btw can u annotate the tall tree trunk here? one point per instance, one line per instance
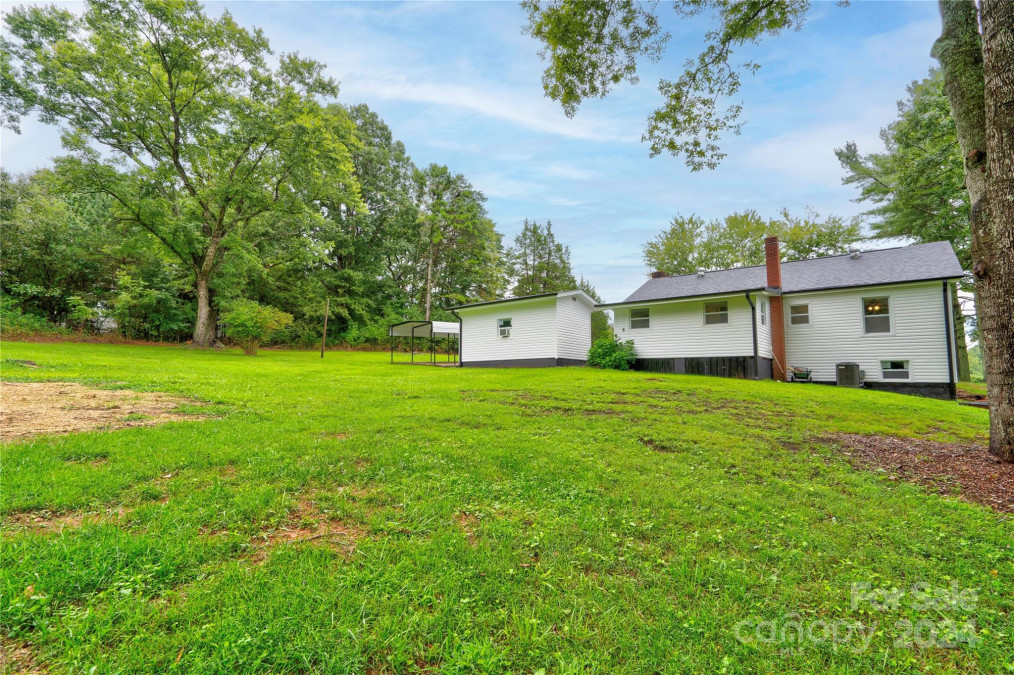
(994, 270)
(959, 50)
(964, 375)
(204, 327)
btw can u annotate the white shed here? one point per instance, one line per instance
(535, 331)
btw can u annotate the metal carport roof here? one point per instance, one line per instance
(425, 329)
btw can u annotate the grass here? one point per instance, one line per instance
(973, 388)
(346, 515)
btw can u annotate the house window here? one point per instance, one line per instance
(640, 318)
(503, 327)
(716, 312)
(799, 315)
(764, 312)
(876, 315)
(894, 370)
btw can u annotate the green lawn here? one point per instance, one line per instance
(559, 520)
(972, 387)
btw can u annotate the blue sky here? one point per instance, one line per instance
(460, 84)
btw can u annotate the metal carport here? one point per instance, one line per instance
(430, 331)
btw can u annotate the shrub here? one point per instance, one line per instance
(80, 314)
(150, 312)
(249, 323)
(610, 352)
(16, 324)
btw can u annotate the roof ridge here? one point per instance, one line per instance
(803, 260)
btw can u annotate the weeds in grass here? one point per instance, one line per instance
(484, 521)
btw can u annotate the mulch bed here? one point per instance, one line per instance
(967, 471)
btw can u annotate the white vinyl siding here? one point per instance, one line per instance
(677, 330)
(533, 331)
(836, 332)
(573, 326)
(763, 329)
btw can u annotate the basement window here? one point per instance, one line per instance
(503, 327)
(894, 370)
(640, 318)
(876, 315)
(799, 315)
(716, 312)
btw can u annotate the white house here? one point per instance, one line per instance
(881, 317)
(552, 329)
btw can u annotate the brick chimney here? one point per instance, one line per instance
(658, 275)
(773, 265)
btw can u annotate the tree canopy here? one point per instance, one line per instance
(181, 120)
(538, 263)
(917, 186)
(690, 242)
(591, 46)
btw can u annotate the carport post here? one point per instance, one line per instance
(413, 343)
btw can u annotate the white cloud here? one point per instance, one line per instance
(564, 201)
(569, 171)
(807, 154)
(516, 107)
(497, 185)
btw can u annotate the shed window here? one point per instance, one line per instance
(640, 318)
(799, 315)
(876, 315)
(764, 312)
(503, 327)
(716, 312)
(894, 370)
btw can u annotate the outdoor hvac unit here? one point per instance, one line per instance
(505, 332)
(848, 375)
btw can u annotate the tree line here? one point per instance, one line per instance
(202, 172)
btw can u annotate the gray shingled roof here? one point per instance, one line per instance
(919, 262)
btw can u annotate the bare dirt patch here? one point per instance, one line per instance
(17, 657)
(305, 523)
(467, 523)
(968, 471)
(657, 446)
(43, 521)
(33, 408)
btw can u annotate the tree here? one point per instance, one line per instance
(250, 323)
(203, 140)
(358, 255)
(600, 326)
(691, 243)
(457, 247)
(917, 185)
(593, 45)
(993, 213)
(55, 246)
(539, 263)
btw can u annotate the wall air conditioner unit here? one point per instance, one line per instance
(848, 375)
(505, 332)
